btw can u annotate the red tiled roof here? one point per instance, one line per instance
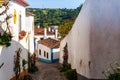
(40, 31)
(22, 2)
(29, 14)
(51, 43)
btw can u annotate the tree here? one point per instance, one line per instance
(80, 7)
(47, 17)
(65, 27)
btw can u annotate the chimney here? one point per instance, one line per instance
(45, 33)
(53, 30)
(38, 26)
(49, 29)
(56, 34)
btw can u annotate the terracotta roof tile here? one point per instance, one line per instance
(40, 31)
(51, 43)
(29, 14)
(22, 2)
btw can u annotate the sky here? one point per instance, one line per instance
(70, 4)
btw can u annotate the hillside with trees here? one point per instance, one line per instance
(64, 18)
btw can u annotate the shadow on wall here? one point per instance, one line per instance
(7, 57)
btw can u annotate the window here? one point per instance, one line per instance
(47, 55)
(41, 38)
(39, 51)
(44, 54)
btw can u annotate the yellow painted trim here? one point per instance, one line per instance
(15, 16)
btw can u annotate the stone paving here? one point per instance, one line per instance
(48, 72)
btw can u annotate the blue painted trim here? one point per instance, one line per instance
(52, 54)
(56, 60)
(45, 60)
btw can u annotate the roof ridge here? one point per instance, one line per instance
(50, 42)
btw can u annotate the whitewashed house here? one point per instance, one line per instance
(30, 30)
(94, 40)
(48, 50)
(44, 33)
(20, 35)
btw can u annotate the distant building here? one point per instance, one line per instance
(44, 33)
(48, 50)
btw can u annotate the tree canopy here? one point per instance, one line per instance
(47, 17)
(64, 18)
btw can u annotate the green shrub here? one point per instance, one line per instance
(5, 39)
(27, 77)
(115, 76)
(65, 67)
(33, 69)
(113, 72)
(71, 74)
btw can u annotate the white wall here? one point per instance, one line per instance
(93, 42)
(62, 44)
(30, 29)
(42, 36)
(46, 49)
(30, 23)
(7, 57)
(56, 53)
(19, 10)
(7, 53)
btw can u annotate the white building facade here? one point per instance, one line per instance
(48, 50)
(44, 33)
(30, 30)
(93, 42)
(18, 24)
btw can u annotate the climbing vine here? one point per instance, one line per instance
(17, 63)
(65, 55)
(5, 35)
(1, 65)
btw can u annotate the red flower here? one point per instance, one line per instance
(22, 34)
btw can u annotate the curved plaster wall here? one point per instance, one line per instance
(94, 40)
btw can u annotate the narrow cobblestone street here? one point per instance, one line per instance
(48, 72)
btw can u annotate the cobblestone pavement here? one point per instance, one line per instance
(48, 72)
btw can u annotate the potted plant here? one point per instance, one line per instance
(5, 39)
(22, 34)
